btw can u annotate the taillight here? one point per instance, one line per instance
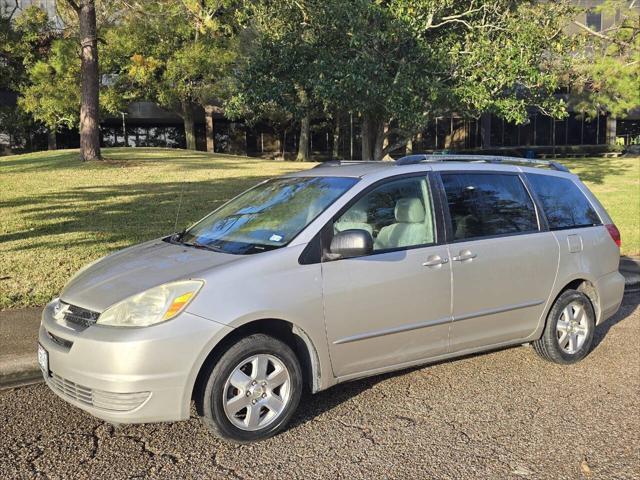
(615, 233)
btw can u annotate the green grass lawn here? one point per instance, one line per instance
(57, 214)
(616, 183)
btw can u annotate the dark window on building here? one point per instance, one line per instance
(574, 129)
(510, 134)
(486, 205)
(629, 130)
(497, 131)
(564, 204)
(594, 20)
(543, 130)
(443, 126)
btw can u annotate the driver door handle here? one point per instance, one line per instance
(434, 261)
(464, 255)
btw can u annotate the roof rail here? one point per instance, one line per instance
(427, 158)
(340, 163)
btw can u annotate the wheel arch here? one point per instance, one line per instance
(291, 334)
(582, 285)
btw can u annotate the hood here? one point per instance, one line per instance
(136, 269)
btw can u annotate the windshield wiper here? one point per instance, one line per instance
(202, 246)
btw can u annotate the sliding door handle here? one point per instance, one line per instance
(464, 255)
(434, 261)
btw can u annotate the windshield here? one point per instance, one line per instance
(268, 216)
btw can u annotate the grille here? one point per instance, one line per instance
(119, 402)
(78, 316)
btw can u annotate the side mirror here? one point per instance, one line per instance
(351, 243)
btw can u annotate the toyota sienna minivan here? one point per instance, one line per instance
(342, 271)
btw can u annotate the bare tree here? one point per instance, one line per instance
(89, 102)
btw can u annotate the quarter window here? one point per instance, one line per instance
(563, 203)
(486, 205)
(397, 214)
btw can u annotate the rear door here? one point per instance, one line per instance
(504, 262)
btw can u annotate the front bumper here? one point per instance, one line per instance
(128, 375)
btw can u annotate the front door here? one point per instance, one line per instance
(504, 265)
(393, 306)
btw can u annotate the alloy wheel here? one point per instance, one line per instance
(256, 392)
(572, 328)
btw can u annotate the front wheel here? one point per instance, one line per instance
(253, 390)
(568, 334)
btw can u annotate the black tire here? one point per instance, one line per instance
(214, 392)
(548, 346)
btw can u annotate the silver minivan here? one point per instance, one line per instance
(342, 271)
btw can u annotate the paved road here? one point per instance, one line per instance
(506, 414)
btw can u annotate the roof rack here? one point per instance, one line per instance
(426, 158)
(340, 163)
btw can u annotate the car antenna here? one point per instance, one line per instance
(175, 225)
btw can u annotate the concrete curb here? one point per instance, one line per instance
(18, 347)
(19, 333)
(630, 269)
(18, 370)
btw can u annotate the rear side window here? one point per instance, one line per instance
(564, 204)
(487, 205)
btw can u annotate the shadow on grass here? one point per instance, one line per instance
(125, 158)
(119, 213)
(595, 170)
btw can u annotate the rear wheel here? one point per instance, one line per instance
(568, 334)
(253, 390)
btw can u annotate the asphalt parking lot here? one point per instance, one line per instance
(506, 414)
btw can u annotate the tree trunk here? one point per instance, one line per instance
(278, 144)
(366, 135)
(210, 122)
(372, 137)
(335, 148)
(611, 129)
(485, 130)
(303, 144)
(52, 144)
(189, 128)
(379, 143)
(89, 106)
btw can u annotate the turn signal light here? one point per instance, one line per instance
(177, 305)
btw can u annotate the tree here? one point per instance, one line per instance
(605, 75)
(178, 54)
(25, 39)
(89, 79)
(276, 78)
(52, 95)
(400, 63)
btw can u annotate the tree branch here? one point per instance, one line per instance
(458, 18)
(15, 9)
(392, 147)
(73, 5)
(601, 35)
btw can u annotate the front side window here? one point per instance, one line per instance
(487, 205)
(397, 214)
(563, 203)
(268, 216)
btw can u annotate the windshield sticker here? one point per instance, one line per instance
(275, 237)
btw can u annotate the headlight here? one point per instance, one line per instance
(151, 306)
